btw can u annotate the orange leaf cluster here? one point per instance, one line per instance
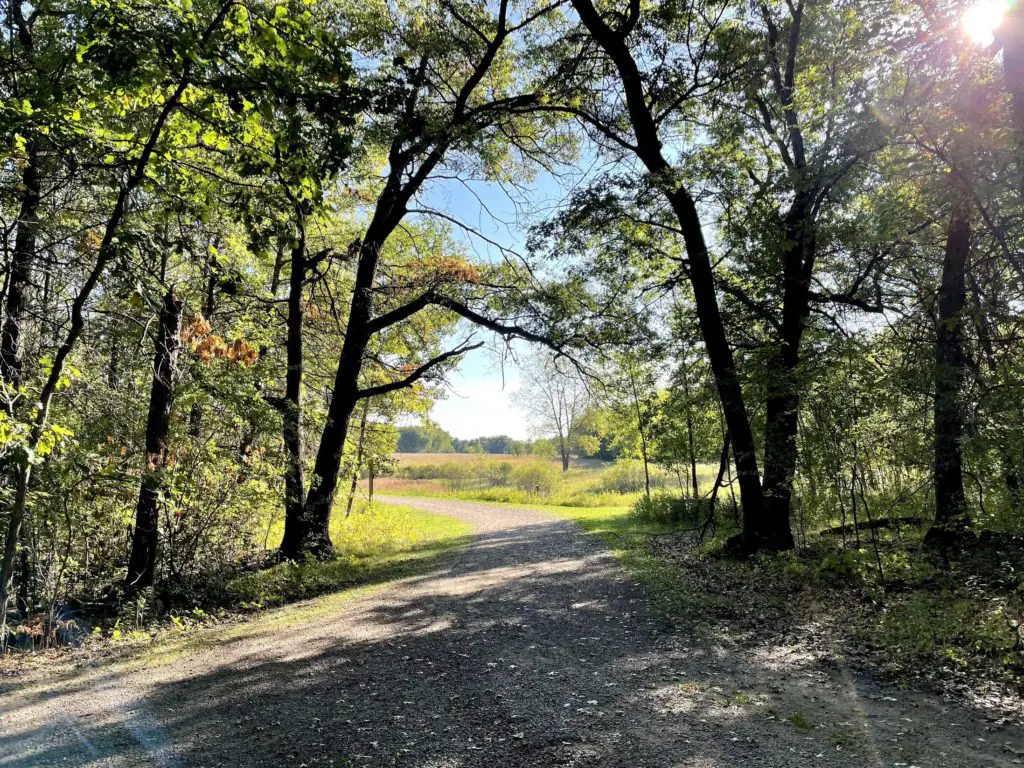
(445, 269)
(209, 346)
(195, 331)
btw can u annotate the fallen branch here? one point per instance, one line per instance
(895, 522)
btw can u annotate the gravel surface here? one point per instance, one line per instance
(528, 648)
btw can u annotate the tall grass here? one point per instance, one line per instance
(529, 480)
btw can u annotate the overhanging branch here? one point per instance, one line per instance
(419, 373)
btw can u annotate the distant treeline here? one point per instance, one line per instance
(431, 438)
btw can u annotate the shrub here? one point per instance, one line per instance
(536, 479)
(664, 508)
(627, 476)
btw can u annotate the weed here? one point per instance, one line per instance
(798, 720)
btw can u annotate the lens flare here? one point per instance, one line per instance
(981, 20)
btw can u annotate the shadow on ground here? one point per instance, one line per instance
(530, 648)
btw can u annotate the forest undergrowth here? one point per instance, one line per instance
(375, 545)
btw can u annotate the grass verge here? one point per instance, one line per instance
(375, 543)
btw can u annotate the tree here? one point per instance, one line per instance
(629, 390)
(555, 401)
(198, 35)
(646, 109)
(444, 109)
(427, 438)
(142, 560)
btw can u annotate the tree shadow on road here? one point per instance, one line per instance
(531, 648)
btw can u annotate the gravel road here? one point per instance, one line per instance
(530, 647)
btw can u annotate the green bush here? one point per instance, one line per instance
(664, 508)
(538, 479)
(627, 476)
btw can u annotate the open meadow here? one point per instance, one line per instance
(532, 479)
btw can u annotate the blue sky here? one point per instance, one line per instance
(479, 401)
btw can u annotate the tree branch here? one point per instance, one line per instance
(418, 374)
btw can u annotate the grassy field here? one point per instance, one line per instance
(529, 480)
(419, 459)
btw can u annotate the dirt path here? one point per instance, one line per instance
(529, 648)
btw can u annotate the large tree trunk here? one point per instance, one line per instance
(951, 517)
(391, 206)
(316, 538)
(21, 272)
(142, 561)
(295, 523)
(782, 405)
(758, 531)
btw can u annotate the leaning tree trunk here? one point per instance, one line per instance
(757, 531)
(142, 561)
(951, 517)
(316, 537)
(295, 522)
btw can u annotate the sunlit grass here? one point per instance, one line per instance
(530, 480)
(377, 542)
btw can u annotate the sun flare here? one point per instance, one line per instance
(982, 18)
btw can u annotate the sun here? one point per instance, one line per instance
(982, 18)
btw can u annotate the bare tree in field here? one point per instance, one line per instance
(554, 401)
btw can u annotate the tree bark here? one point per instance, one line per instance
(21, 272)
(295, 522)
(782, 406)
(951, 516)
(142, 561)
